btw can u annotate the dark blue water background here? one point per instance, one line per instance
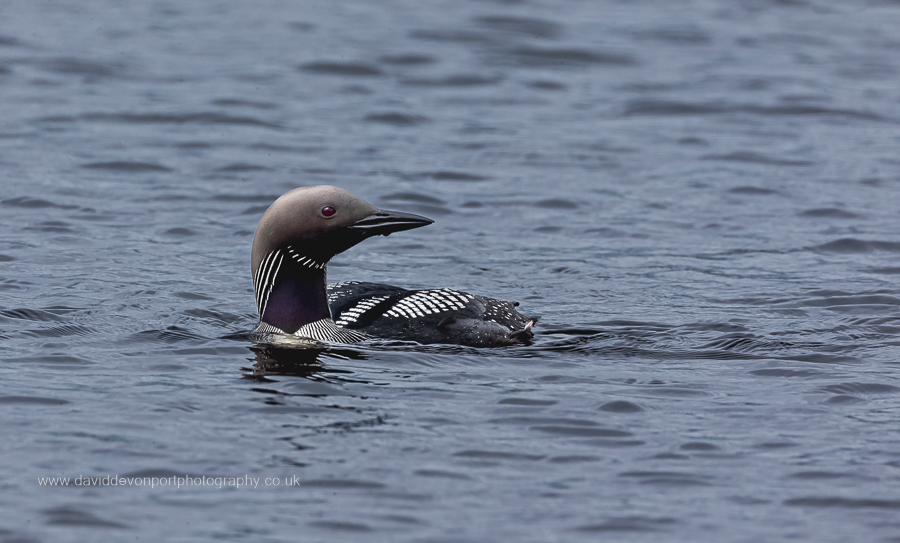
(700, 200)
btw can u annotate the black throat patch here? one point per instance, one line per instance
(290, 290)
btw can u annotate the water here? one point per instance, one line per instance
(700, 201)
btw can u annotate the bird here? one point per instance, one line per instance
(300, 233)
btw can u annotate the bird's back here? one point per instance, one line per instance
(427, 316)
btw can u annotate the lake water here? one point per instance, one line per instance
(700, 200)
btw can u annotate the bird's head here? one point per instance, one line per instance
(321, 221)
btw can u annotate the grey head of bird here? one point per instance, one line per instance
(321, 221)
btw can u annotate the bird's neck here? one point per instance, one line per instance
(297, 299)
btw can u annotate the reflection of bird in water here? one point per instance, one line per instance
(301, 361)
(303, 229)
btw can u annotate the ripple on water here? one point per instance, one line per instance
(172, 334)
(407, 59)
(838, 502)
(861, 388)
(677, 35)
(698, 446)
(531, 402)
(864, 302)
(340, 526)
(675, 392)
(621, 406)
(445, 175)
(532, 27)
(560, 57)
(853, 245)
(238, 102)
(200, 118)
(825, 475)
(248, 198)
(81, 67)
(215, 317)
(824, 358)
(785, 372)
(241, 167)
(666, 478)
(344, 484)
(63, 331)
(124, 166)
(542, 420)
(756, 158)
(884, 271)
(58, 227)
(458, 80)
(829, 213)
(753, 191)
(497, 455)
(396, 119)
(442, 474)
(413, 197)
(630, 524)
(572, 459)
(556, 203)
(77, 517)
(30, 400)
(580, 431)
(545, 84)
(657, 107)
(192, 296)
(444, 35)
(350, 69)
(55, 360)
(844, 399)
(179, 232)
(33, 203)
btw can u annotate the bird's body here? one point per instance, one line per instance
(427, 316)
(299, 234)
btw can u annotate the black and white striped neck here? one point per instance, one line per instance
(321, 330)
(290, 290)
(270, 271)
(302, 260)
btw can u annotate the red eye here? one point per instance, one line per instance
(328, 211)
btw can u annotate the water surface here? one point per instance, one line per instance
(700, 201)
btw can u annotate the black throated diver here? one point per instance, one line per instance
(303, 229)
